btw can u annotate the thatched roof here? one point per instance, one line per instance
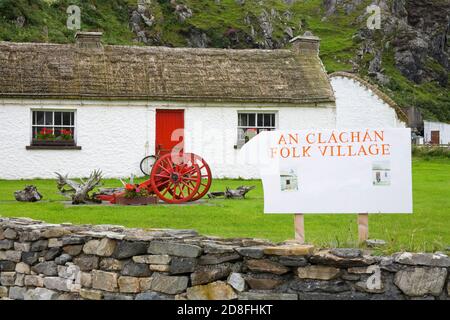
(159, 73)
(384, 97)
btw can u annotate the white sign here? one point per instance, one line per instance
(333, 171)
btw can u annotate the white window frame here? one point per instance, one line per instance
(257, 113)
(73, 127)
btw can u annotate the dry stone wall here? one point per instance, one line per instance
(40, 261)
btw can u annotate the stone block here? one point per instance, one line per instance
(52, 253)
(237, 281)
(7, 278)
(265, 265)
(262, 283)
(174, 249)
(218, 258)
(56, 232)
(10, 234)
(116, 296)
(111, 264)
(153, 259)
(106, 281)
(55, 243)
(73, 240)
(6, 244)
(218, 248)
(128, 249)
(326, 257)
(30, 258)
(179, 265)
(159, 267)
(86, 263)
(169, 284)
(104, 247)
(48, 268)
(73, 250)
(19, 280)
(213, 291)
(3, 292)
(22, 246)
(318, 272)
(267, 296)
(423, 259)
(149, 295)
(33, 281)
(136, 269)
(89, 294)
(63, 259)
(41, 294)
(251, 252)
(71, 272)
(210, 273)
(86, 280)
(308, 285)
(12, 255)
(290, 250)
(145, 283)
(57, 283)
(17, 293)
(421, 281)
(39, 245)
(128, 284)
(293, 261)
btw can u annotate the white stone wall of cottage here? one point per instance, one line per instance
(359, 107)
(114, 136)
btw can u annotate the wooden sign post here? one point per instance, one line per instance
(299, 225)
(363, 227)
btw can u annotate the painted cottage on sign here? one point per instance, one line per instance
(73, 108)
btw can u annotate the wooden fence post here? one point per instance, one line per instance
(299, 225)
(363, 227)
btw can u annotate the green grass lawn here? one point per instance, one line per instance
(427, 229)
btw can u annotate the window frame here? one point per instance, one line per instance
(257, 113)
(54, 144)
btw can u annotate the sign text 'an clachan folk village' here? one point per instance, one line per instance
(334, 170)
(332, 144)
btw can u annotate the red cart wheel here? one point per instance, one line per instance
(206, 176)
(175, 180)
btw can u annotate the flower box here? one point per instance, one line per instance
(62, 143)
(137, 201)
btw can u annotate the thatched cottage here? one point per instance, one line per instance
(72, 108)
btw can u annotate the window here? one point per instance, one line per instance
(250, 124)
(53, 128)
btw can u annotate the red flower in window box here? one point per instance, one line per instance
(45, 134)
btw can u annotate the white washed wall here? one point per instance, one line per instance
(357, 106)
(112, 137)
(212, 133)
(115, 136)
(443, 128)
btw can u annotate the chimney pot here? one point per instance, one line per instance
(89, 39)
(307, 42)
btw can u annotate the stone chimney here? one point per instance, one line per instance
(306, 42)
(91, 40)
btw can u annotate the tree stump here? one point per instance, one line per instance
(29, 194)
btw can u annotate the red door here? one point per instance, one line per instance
(169, 130)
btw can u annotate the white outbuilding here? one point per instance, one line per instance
(436, 132)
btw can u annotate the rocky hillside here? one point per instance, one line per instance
(408, 57)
